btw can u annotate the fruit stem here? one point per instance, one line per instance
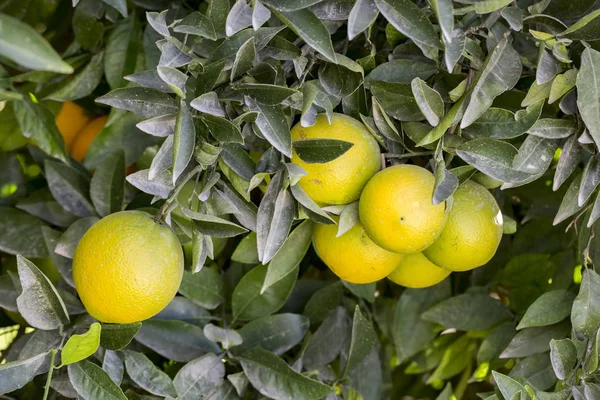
(50, 371)
(159, 215)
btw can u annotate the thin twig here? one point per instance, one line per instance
(173, 196)
(49, 378)
(408, 155)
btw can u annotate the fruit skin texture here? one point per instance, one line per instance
(86, 136)
(396, 209)
(127, 267)
(339, 181)
(472, 233)
(416, 271)
(353, 256)
(70, 121)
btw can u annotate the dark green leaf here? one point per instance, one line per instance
(141, 101)
(83, 83)
(227, 337)
(118, 336)
(569, 204)
(429, 101)
(587, 28)
(563, 355)
(272, 123)
(500, 72)
(363, 14)
(107, 187)
(567, 163)
(248, 302)
(223, 130)
(588, 91)
(508, 386)
(320, 151)
(246, 251)
(21, 233)
(499, 123)
(275, 333)
(70, 188)
(39, 302)
(22, 44)
(91, 382)
(272, 377)
(14, 375)
(144, 373)
(469, 311)
(329, 340)
(204, 287)
(397, 100)
(405, 16)
(197, 24)
(200, 378)
(585, 316)
(548, 309)
(536, 340)
(400, 71)
(214, 226)
(363, 340)
(183, 141)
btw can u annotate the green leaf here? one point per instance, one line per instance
(363, 340)
(183, 141)
(310, 29)
(329, 340)
(591, 363)
(16, 374)
(429, 101)
(400, 71)
(320, 151)
(70, 187)
(587, 28)
(536, 340)
(499, 123)
(80, 347)
(274, 218)
(39, 303)
(455, 359)
(227, 337)
(567, 163)
(562, 84)
(563, 355)
(500, 72)
(175, 79)
(445, 184)
(323, 302)
(362, 15)
(585, 316)
(91, 382)
(589, 180)
(588, 91)
(214, 226)
(270, 95)
(107, 187)
(494, 158)
(535, 155)
(496, 341)
(140, 101)
(445, 124)
(488, 6)
(246, 251)
(223, 130)
(468, 312)
(196, 24)
(37, 124)
(244, 59)
(175, 340)
(507, 385)
(205, 287)
(348, 218)
(22, 44)
(405, 16)
(289, 256)
(118, 336)
(21, 233)
(275, 333)
(272, 123)
(411, 333)
(397, 100)
(121, 51)
(199, 378)
(569, 204)
(445, 15)
(249, 303)
(145, 374)
(84, 83)
(548, 309)
(551, 128)
(363, 290)
(274, 378)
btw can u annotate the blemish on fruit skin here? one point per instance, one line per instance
(315, 181)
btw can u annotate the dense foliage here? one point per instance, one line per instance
(206, 92)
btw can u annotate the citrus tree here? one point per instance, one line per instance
(205, 199)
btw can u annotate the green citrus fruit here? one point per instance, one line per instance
(397, 212)
(339, 181)
(472, 233)
(353, 256)
(127, 267)
(416, 271)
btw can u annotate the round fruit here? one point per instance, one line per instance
(472, 233)
(339, 181)
(416, 271)
(70, 121)
(353, 256)
(86, 136)
(127, 267)
(397, 211)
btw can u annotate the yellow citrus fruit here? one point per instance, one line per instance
(416, 271)
(70, 121)
(339, 181)
(127, 267)
(353, 256)
(86, 136)
(397, 212)
(472, 233)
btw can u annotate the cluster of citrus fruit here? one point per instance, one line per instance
(78, 129)
(401, 234)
